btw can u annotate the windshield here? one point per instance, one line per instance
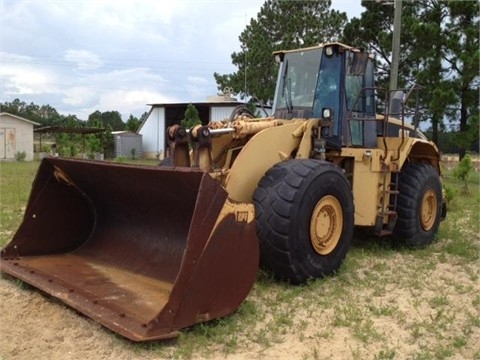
(297, 80)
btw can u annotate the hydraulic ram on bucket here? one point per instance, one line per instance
(145, 251)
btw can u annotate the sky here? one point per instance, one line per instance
(80, 56)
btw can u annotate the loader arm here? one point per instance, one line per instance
(239, 153)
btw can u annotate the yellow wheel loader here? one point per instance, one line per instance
(147, 251)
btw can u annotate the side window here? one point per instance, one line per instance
(353, 87)
(355, 81)
(327, 92)
(370, 94)
(360, 98)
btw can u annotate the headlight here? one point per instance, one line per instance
(326, 113)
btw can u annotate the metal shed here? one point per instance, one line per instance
(16, 136)
(128, 144)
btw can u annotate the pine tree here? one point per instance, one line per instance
(191, 118)
(280, 25)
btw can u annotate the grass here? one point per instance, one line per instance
(15, 184)
(384, 302)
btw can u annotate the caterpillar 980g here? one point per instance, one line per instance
(147, 251)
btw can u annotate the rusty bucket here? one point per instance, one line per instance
(145, 251)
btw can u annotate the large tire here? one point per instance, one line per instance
(419, 205)
(304, 214)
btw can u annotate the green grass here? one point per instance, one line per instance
(379, 289)
(15, 185)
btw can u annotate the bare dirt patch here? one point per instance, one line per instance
(395, 308)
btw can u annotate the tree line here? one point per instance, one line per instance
(439, 51)
(70, 144)
(47, 115)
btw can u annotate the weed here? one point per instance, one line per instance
(416, 331)
(382, 310)
(438, 301)
(443, 352)
(459, 342)
(473, 320)
(385, 354)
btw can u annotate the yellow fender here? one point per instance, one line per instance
(262, 151)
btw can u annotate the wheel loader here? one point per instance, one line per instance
(149, 250)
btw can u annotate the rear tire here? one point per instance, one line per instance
(419, 205)
(304, 214)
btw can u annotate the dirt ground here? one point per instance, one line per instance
(34, 326)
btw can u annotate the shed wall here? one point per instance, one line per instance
(153, 134)
(124, 143)
(221, 112)
(15, 136)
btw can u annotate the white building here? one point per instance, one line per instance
(16, 136)
(161, 116)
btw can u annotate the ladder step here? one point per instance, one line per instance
(387, 211)
(384, 232)
(393, 192)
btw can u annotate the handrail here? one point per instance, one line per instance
(387, 100)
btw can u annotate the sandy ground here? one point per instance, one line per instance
(438, 317)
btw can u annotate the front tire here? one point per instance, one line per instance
(419, 205)
(304, 214)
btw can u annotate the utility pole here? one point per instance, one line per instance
(397, 27)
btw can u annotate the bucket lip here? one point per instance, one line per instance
(100, 163)
(79, 301)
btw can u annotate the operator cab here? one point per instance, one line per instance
(329, 82)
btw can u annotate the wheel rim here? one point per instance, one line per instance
(326, 225)
(428, 210)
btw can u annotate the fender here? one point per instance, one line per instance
(262, 151)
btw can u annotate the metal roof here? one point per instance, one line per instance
(319, 46)
(197, 104)
(68, 130)
(18, 118)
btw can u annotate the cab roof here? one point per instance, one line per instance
(319, 46)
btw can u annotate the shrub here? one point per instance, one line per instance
(120, 159)
(450, 194)
(46, 148)
(20, 156)
(462, 172)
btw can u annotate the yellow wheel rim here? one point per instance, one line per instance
(428, 210)
(326, 225)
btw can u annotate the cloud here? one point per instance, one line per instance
(198, 88)
(91, 54)
(133, 101)
(83, 59)
(83, 56)
(127, 91)
(21, 75)
(79, 96)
